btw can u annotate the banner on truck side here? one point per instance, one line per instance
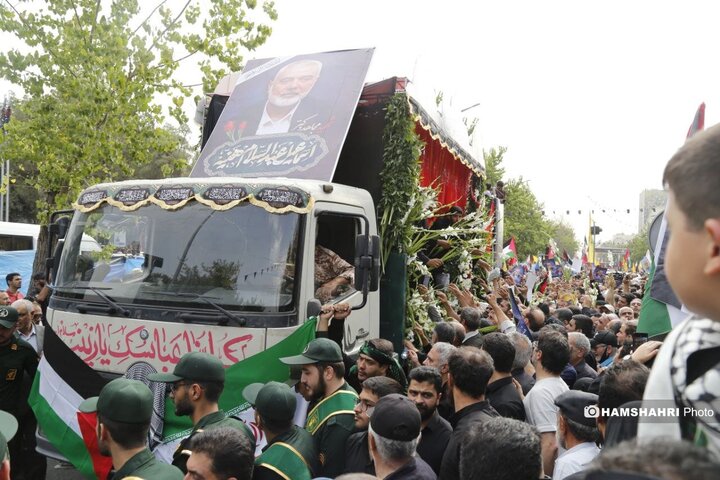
(287, 117)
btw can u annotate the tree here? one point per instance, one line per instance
(94, 72)
(523, 213)
(524, 219)
(639, 245)
(493, 164)
(25, 198)
(564, 237)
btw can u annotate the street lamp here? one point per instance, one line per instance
(594, 230)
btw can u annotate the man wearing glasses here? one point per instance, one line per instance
(195, 387)
(357, 454)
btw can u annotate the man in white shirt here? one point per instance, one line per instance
(291, 85)
(551, 355)
(577, 432)
(26, 329)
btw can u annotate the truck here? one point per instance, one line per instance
(227, 265)
(223, 265)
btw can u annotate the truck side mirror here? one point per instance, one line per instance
(362, 249)
(313, 308)
(59, 227)
(367, 262)
(54, 261)
(375, 268)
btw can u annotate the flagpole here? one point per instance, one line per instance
(499, 231)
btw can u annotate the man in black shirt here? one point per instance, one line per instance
(501, 392)
(470, 370)
(394, 435)
(357, 455)
(425, 390)
(437, 358)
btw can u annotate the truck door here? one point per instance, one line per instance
(333, 252)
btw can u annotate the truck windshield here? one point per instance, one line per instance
(242, 259)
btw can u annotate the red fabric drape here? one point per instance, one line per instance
(440, 168)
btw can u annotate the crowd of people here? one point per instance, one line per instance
(504, 388)
(21, 343)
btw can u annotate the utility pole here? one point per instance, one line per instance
(5, 165)
(594, 231)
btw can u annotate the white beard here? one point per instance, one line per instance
(279, 101)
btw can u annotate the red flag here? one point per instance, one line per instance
(698, 122)
(101, 464)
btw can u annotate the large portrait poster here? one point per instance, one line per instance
(287, 116)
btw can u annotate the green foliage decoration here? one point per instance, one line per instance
(400, 176)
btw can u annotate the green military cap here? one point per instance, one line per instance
(197, 366)
(122, 400)
(319, 350)
(295, 375)
(8, 316)
(8, 428)
(273, 400)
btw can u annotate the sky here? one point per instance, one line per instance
(590, 98)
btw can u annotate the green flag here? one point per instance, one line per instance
(262, 367)
(654, 317)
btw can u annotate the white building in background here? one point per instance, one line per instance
(652, 202)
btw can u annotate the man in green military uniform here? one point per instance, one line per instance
(124, 408)
(17, 358)
(331, 418)
(290, 453)
(197, 382)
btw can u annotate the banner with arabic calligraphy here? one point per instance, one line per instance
(262, 367)
(273, 198)
(287, 116)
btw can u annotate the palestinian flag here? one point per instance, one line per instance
(661, 309)
(62, 382)
(510, 252)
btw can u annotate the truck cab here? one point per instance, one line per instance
(151, 270)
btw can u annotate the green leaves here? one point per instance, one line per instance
(564, 236)
(493, 164)
(524, 219)
(100, 79)
(400, 176)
